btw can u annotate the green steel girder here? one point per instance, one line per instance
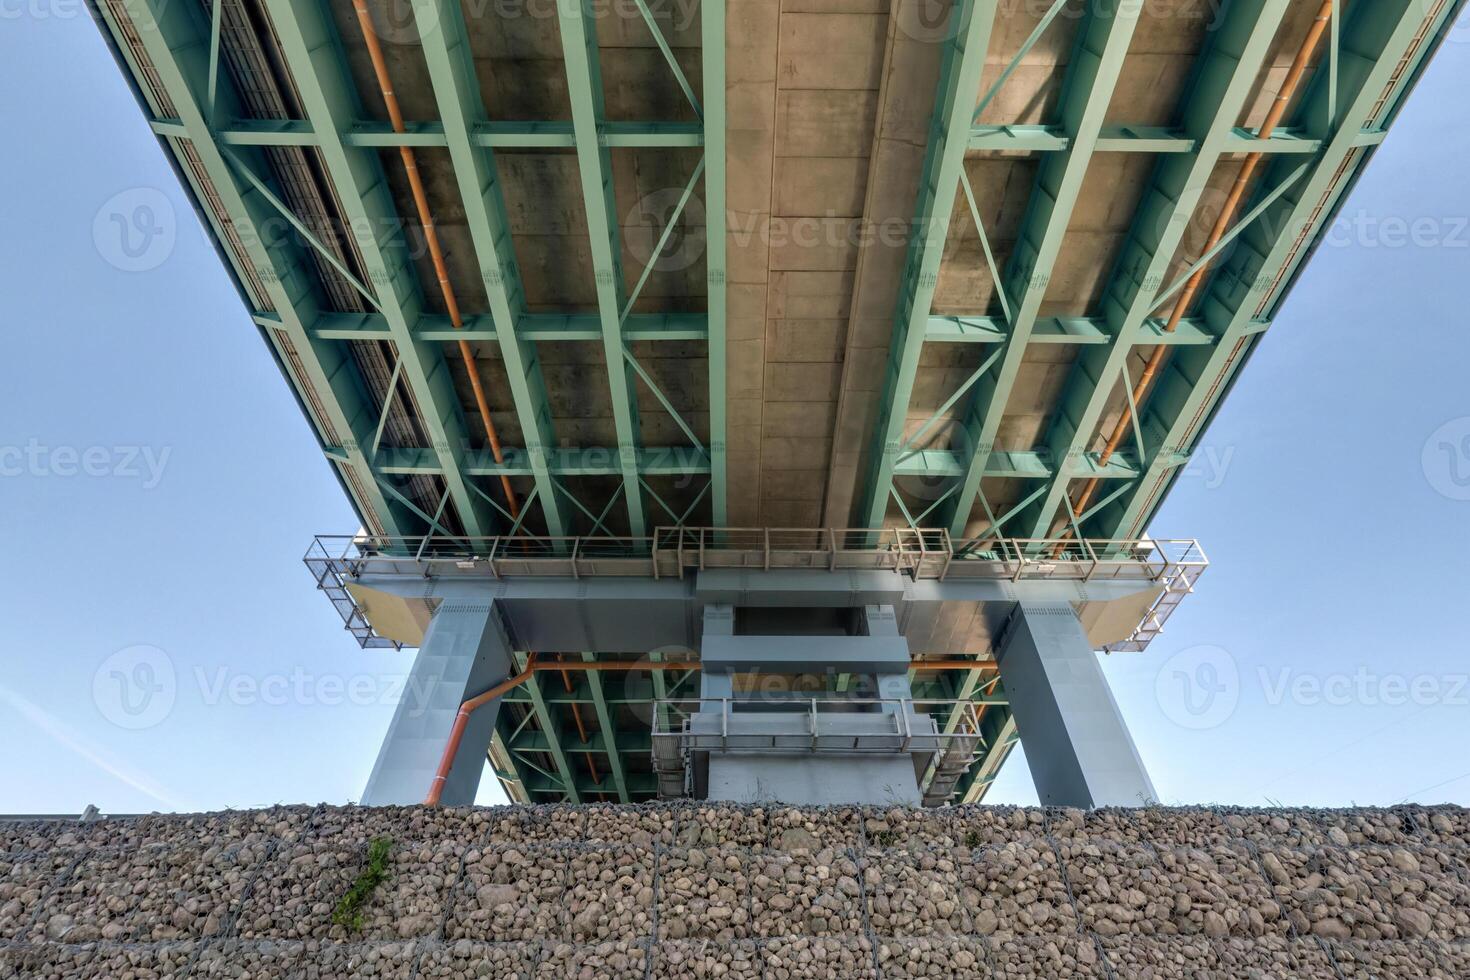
(1033, 465)
(944, 161)
(594, 165)
(648, 461)
(1375, 40)
(529, 327)
(626, 742)
(329, 98)
(641, 784)
(1124, 138)
(1225, 78)
(712, 55)
(493, 135)
(610, 736)
(451, 73)
(1057, 330)
(1000, 739)
(551, 729)
(329, 384)
(1091, 77)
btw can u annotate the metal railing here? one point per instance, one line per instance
(923, 553)
(822, 731)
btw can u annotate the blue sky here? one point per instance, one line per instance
(158, 487)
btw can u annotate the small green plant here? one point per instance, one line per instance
(348, 912)
(973, 839)
(885, 838)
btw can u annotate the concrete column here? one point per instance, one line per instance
(465, 652)
(1077, 745)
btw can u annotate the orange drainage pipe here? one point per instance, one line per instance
(1222, 222)
(456, 734)
(431, 238)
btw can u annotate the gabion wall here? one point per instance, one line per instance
(714, 891)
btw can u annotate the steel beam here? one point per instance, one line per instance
(1001, 738)
(529, 327)
(712, 54)
(325, 375)
(944, 161)
(584, 88)
(1376, 41)
(501, 134)
(550, 728)
(649, 461)
(1071, 330)
(329, 98)
(465, 652)
(446, 50)
(1124, 138)
(1077, 745)
(1018, 465)
(611, 737)
(1091, 78)
(1226, 77)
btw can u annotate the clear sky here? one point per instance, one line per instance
(158, 486)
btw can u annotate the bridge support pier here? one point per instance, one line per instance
(770, 742)
(465, 651)
(1077, 745)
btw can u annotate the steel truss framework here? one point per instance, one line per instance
(1345, 112)
(1374, 55)
(172, 54)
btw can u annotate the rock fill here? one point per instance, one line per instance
(760, 892)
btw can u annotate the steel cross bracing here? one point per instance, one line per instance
(200, 117)
(171, 50)
(1227, 73)
(1343, 116)
(1087, 91)
(328, 94)
(1381, 48)
(446, 52)
(944, 162)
